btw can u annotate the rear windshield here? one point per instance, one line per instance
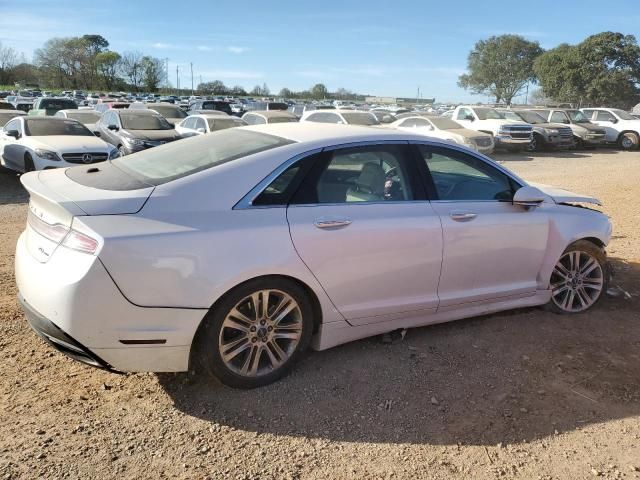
(170, 112)
(144, 122)
(222, 123)
(45, 127)
(57, 104)
(179, 159)
(360, 118)
(282, 119)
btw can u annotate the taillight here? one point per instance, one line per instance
(59, 233)
(80, 242)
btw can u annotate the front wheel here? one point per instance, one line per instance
(579, 278)
(29, 166)
(257, 333)
(628, 141)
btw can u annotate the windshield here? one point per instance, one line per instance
(508, 114)
(622, 114)
(360, 118)
(84, 117)
(170, 112)
(57, 104)
(144, 122)
(177, 159)
(282, 119)
(531, 117)
(222, 123)
(487, 114)
(577, 116)
(45, 127)
(445, 123)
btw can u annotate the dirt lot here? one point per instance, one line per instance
(524, 394)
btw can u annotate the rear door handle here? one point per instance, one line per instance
(462, 216)
(328, 223)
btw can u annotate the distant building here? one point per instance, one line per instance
(394, 100)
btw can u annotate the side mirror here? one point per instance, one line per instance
(200, 130)
(113, 127)
(528, 197)
(96, 133)
(614, 120)
(470, 118)
(13, 133)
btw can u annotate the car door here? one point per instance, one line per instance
(607, 121)
(362, 225)
(12, 150)
(492, 248)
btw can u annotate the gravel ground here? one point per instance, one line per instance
(524, 394)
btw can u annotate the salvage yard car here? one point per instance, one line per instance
(448, 130)
(88, 117)
(40, 143)
(545, 135)
(233, 252)
(202, 123)
(48, 106)
(261, 117)
(135, 130)
(344, 117)
(621, 128)
(513, 135)
(585, 133)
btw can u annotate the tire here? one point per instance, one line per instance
(28, 163)
(122, 150)
(628, 141)
(578, 144)
(237, 342)
(536, 144)
(579, 279)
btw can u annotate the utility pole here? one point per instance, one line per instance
(166, 82)
(177, 79)
(191, 77)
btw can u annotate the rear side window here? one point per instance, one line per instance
(559, 117)
(280, 191)
(176, 160)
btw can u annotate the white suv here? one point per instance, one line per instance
(510, 134)
(621, 127)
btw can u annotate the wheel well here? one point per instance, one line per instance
(315, 305)
(596, 241)
(628, 131)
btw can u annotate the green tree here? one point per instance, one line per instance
(500, 67)
(153, 72)
(238, 91)
(319, 91)
(108, 65)
(131, 68)
(285, 93)
(604, 69)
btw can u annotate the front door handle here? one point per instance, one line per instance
(327, 223)
(462, 216)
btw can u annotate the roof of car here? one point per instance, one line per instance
(210, 113)
(272, 113)
(134, 111)
(331, 133)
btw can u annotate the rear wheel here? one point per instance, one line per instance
(122, 151)
(536, 144)
(628, 141)
(28, 163)
(579, 278)
(257, 333)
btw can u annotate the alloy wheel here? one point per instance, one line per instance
(577, 281)
(260, 333)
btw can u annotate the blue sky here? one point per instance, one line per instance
(385, 48)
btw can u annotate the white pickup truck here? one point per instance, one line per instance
(509, 134)
(620, 127)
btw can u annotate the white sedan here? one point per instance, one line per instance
(39, 143)
(203, 123)
(232, 252)
(448, 130)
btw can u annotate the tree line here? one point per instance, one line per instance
(318, 91)
(603, 69)
(84, 62)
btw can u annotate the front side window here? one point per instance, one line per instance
(361, 174)
(13, 125)
(200, 124)
(461, 177)
(559, 117)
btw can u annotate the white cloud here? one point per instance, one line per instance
(162, 46)
(234, 49)
(204, 48)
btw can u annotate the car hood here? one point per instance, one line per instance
(499, 122)
(550, 125)
(166, 135)
(66, 143)
(560, 195)
(465, 132)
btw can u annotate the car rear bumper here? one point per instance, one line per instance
(58, 339)
(72, 302)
